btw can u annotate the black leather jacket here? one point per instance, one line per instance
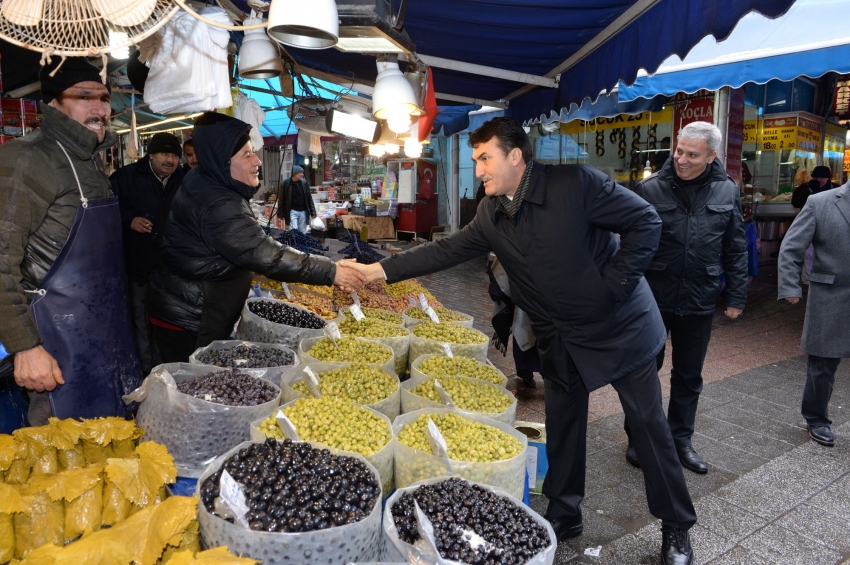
(697, 245)
(213, 242)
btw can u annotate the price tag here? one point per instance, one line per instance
(423, 302)
(332, 332)
(312, 382)
(432, 315)
(240, 362)
(412, 301)
(355, 298)
(208, 397)
(286, 426)
(232, 494)
(285, 288)
(357, 312)
(445, 397)
(437, 441)
(447, 349)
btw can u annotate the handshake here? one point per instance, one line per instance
(351, 276)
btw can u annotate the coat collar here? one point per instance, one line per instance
(536, 189)
(75, 138)
(842, 200)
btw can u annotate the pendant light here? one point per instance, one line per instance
(647, 170)
(393, 98)
(258, 56)
(309, 24)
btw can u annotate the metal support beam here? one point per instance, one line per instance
(483, 70)
(721, 119)
(455, 183)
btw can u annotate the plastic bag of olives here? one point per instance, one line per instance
(195, 431)
(412, 465)
(399, 344)
(463, 366)
(378, 313)
(398, 550)
(475, 392)
(421, 345)
(379, 354)
(258, 329)
(278, 359)
(337, 545)
(415, 315)
(389, 405)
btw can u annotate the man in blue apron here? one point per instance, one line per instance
(63, 298)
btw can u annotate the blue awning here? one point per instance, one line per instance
(606, 106)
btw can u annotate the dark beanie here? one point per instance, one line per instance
(241, 143)
(165, 143)
(73, 71)
(821, 172)
(297, 169)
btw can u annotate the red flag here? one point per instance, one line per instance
(426, 120)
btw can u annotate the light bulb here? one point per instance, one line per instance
(376, 150)
(647, 170)
(117, 38)
(412, 148)
(398, 118)
(391, 148)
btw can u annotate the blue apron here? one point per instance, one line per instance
(82, 311)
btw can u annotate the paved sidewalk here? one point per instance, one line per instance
(771, 496)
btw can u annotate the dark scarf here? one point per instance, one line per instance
(511, 206)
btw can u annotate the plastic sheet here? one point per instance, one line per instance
(389, 406)
(194, 431)
(307, 359)
(400, 346)
(422, 346)
(256, 329)
(416, 372)
(273, 374)
(338, 545)
(412, 465)
(385, 315)
(396, 549)
(411, 402)
(410, 321)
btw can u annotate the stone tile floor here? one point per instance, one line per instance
(770, 497)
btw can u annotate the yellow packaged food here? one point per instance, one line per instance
(8, 450)
(140, 478)
(99, 435)
(82, 491)
(39, 453)
(18, 472)
(216, 556)
(11, 503)
(45, 522)
(190, 542)
(66, 440)
(116, 507)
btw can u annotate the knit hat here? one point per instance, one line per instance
(821, 172)
(241, 143)
(165, 143)
(297, 169)
(73, 71)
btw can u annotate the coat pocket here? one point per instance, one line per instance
(663, 206)
(714, 270)
(823, 278)
(718, 217)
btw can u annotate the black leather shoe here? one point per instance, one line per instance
(527, 378)
(631, 456)
(821, 434)
(565, 531)
(676, 547)
(691, 461)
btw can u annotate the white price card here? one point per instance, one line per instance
(312, 382)
(412, 301)
(444, 395)
(231, 492)
(285, 288)
(432, 315)
(332, 332)
(355, 298)
(423, 302)
(447, 349)
(286, 426)
(357, 312)
(437, 441)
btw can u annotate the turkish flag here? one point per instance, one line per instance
(426, 120)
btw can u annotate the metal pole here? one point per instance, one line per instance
(721, 119)
(455, 202)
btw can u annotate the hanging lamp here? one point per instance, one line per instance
(258, 56)
(308, 24)
(393, 98)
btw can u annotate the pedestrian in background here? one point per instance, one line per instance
(295, 203)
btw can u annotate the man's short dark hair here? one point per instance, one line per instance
(188, 143)
(509, 133)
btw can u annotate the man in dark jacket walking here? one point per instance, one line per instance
(702, 235)
(145, 190)
(554, 229)
(821, 181)
(295, 204)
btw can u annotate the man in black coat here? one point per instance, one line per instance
(145, 190)
(554, 229)
(702, 236)
(821, 181)
(295, 204)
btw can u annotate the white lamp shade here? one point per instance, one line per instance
(258, 57)
(309, 24)
(393, 97)
(125, 13)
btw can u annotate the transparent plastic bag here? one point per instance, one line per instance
(273, 374)
(391, 317)
(410, 321)
(398, 550)
(420, 346)
(194, 431)
(307, 359)
(411, 402)
(412, 465)
(389, 406)
(338, 545)
(416, 372)
(401, 348)
(254, 328)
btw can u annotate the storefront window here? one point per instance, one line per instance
(833, 150)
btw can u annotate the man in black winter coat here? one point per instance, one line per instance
(295, 203)
(145, 190)
(554, 229)
(702, 236)
(821, 181)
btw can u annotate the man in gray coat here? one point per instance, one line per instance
(823, 223)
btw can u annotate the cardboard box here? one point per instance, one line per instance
(537, 463)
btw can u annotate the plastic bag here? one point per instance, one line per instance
(412, 465)
(273, 374)
(416, 372)
(379, 313)
(307, 359)
(254, 328)
(338, 545)
(411, 402)
(317, 224)
(398, 550)
(389, 406)
(410, 321)
(194, 431)
(401, 348)
(420, 346)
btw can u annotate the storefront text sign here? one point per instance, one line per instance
(621, 121)
(842, 98)
(735, 134)
(787, 133)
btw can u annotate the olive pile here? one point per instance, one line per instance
(441, 365)
(455, 507)
(230, 388)
(334, 422)
(466, 394)
(370, 328)
(448, 333)
(293, 487)
(408, 288)
(377, 314)
(351, 350)
(281, 313)
(467, 440)
(358, 383)
(444, 314)
(247, 357)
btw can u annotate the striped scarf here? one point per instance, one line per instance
(511, 206)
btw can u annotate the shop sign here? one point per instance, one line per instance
(806, 123)
(735, 133)
(776, 134)
(808, 140)
(842, 98)
(847, 161)
(699, 110)
(621, 121)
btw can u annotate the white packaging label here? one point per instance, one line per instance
(332, 332)
(231, 492)
(531, 466)
(285, 288)
(286, 426)
(432, 315)
(240, 362)
(447, 349)
(312, 382)
(412, 301)
(437, 441)
(208, 397)
(357, 312)
(355, 298)
(445, 397)
(423, 302)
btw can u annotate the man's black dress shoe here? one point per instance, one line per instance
(564, 530)
(676, 547)
(821, 434)
(527, 378)
(631, 456)
(691, 461)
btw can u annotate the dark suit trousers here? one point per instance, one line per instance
(820, 377)
(566, 430)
